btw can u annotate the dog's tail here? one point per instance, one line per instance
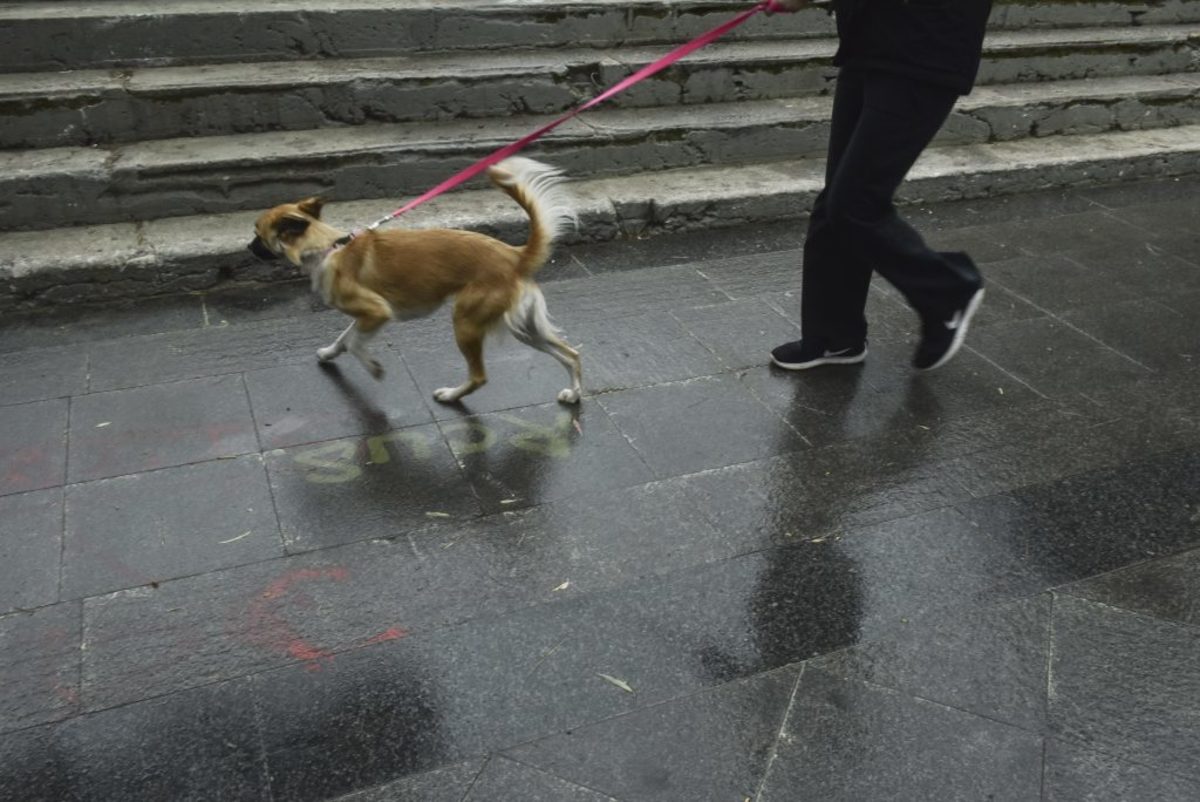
(538, 188)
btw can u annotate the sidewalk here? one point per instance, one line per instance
(230, 573)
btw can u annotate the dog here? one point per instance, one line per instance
(378, 276)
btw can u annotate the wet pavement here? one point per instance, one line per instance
(231, 573)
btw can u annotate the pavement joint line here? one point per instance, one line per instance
(1042, 773)
(283, 546)
(487, 761)
(62, 549)
(787, 714)
(908, 692)
(1006, 371)
(1057, 318)
(265, 762)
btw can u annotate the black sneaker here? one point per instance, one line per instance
(941, 339)
(800, 355)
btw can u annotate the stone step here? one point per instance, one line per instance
(106, 107)
(168, 178)
(80, 35)
(195, 253)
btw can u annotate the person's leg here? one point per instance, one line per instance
(834, 276)
(831, 319)
(900, 117)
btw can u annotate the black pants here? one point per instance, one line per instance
(881, 124)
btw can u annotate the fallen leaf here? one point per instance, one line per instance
(620, 683)
(102, 425)
(578, 428)
(1001, 389)
(563, 586)
(437, 515)
(247, 533)
(509, 501)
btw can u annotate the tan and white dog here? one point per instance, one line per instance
(380, 275)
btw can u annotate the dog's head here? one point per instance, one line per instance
(285, 230)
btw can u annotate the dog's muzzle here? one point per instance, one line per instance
(260, 249)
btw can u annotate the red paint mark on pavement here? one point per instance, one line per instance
(395, 633)
(302, 651)
(271, 629)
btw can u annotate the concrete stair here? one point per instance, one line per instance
(137, 170)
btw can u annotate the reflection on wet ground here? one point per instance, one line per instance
(230, 573)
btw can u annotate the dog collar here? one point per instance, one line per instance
(339, 243)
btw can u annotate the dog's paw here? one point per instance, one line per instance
(568, 396)
(446, 395)
(328, 353)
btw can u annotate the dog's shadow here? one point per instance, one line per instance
(374, 420)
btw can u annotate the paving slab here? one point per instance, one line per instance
(157, 358)
(639, 351)
(40, 667)
(540, 454)
(1095, 522)
(991, 661)
(1163, 588)
(1055, 359)
(440, 785)
(313, 402)
(1164, 339)
(740, 334)
(39, 374)
(35, 439)
(1076, 772)
(712, 745)
(839, 741)
(305, 610)
(687, 435)
(1112, 672)
(146, 528)
(506, 779)
(362, 488)
(814, 493)
(211, 731)
(159, 426)
(31, 534)
(81, 324)
(831, 408)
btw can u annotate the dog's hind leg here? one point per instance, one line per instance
(338, 347)
(530, 323)
(363, 332)
(470, 341)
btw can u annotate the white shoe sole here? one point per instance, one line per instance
(960, 334)
(825, 360)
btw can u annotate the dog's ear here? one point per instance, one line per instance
(312, 206)
(291, 226)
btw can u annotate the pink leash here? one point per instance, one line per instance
(508, 150)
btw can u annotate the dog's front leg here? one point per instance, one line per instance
(338, 347)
